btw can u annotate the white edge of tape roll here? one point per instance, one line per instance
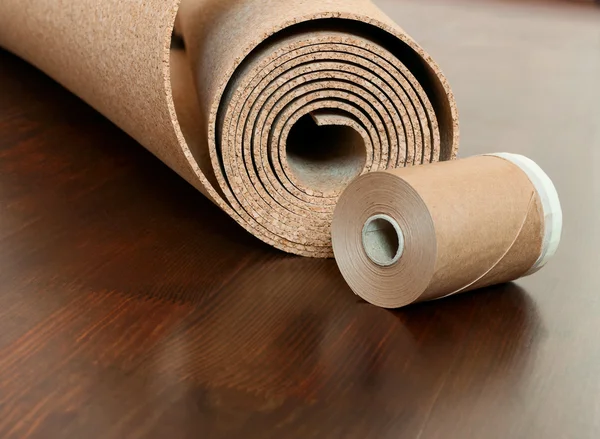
(550, 206)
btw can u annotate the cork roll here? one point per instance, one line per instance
(271, 108)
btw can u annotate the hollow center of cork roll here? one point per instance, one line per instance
(383, 240)
(324, 153)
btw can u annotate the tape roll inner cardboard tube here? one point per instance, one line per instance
(382, 239)
(268, 108)
(427, 232)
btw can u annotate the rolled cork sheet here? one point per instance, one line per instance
(414, 234)
(268, 107)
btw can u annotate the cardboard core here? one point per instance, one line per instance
(324, 158)
(383, 240)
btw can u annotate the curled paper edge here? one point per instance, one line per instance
(550, 206)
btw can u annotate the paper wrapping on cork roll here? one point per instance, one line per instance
(270, 108)
(426, 232)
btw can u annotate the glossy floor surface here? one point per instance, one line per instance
(130, 306)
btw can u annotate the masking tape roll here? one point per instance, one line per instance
(427, 232)
(272, 108)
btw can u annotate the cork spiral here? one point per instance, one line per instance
(269, 108)
(427, 232)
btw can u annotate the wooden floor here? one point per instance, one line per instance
(130, 306)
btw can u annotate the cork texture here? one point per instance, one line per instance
(270, 108)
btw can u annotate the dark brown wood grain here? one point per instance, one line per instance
(131, 307)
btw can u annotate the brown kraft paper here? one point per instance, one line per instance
(270, 109)
(426, 232)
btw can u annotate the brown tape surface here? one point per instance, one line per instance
(465, 224)
(271, 109)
